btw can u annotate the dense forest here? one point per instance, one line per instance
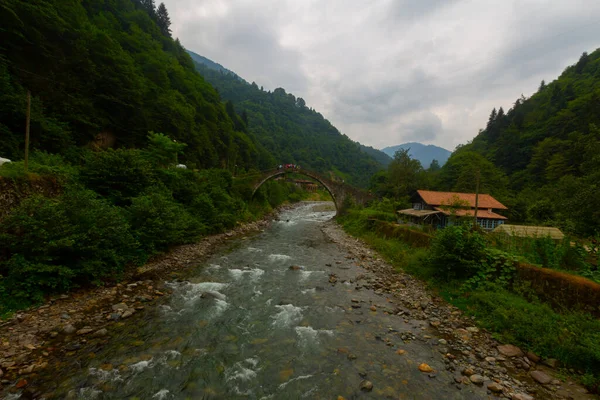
(291, 131)
(541, 157)
(109, 72)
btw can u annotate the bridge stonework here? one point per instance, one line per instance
(339, 191)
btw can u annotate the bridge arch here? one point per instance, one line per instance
(279, 172)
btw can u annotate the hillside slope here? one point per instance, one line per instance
(293, 132)
(424, 153)
(543, 154)
(105, 70)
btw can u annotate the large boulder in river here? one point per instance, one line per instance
(213, 294)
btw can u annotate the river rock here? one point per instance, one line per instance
(213, 294)
(495, 387)
(366, 386)
(128, 313)
(100, 332)
(85, 330)
(425, 368)
(1, 373)
(21, 384)
(477, 379)
(533, 357)
(69, 329)
(509, 350)
(120, 307)
(27, 370)
(540, 377)
(473, 329)
(462, 334)
(520, 396)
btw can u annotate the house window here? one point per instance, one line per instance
(417, 206)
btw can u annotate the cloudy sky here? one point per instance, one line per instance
(385, 72)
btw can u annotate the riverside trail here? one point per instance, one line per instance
(299, 310)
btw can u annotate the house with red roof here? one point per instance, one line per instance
(440, 209)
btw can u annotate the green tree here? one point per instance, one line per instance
(163, 20)
(162, 150)
(434, 166)
(406, 175)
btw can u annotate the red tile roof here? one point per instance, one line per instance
(460, 212)
(447, 198)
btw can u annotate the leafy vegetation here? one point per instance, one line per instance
(106, 73)
(116, 208)
(543, 153)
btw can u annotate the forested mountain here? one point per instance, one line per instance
(291, 131)
(424, 153)
(109, 71)
(542, 156)
(211, 64)
(381, 157)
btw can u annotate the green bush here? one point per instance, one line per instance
(119, 175)
(41, 163)
(456, 252)
(51, 244)
(495, 267)
(572, 338)
(161, 150)
(157, 221)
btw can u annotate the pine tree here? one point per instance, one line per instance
(492, 118)
(149, 6)
(542, 85)
(163, 20)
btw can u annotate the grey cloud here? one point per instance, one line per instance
(390, 71)
(413, 10)
(423, 127)
(246, 42)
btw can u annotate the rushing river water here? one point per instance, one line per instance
(245, 325)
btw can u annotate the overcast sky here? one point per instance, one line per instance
(385, 72)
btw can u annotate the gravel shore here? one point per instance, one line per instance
(471, 353)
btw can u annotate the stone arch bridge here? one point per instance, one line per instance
(339, 191)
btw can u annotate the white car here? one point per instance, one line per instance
(4, 160)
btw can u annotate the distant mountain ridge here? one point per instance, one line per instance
(425, 153)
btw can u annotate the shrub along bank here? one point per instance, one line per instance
(497, 288)
(110, 210)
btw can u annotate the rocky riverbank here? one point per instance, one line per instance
(470, 353)
(43, 337)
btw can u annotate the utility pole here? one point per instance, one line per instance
(27, 129)
(477, 176)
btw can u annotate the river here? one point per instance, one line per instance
(245, 325)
